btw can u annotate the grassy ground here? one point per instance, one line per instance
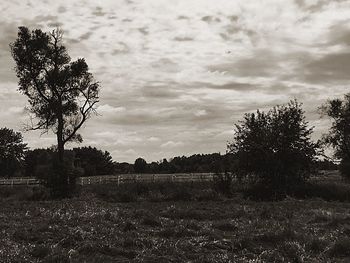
(97, 227)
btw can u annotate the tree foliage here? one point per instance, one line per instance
(140, 165)
(62, 94)
(94, 161)
(339, 134)
(196, 163)
(275, 147)
(87, 161)
(12, 150)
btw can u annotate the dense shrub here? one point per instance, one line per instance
(339, 134)
(341, 248)
(223, 183)
(25, 193)
(326, 191)
(158, 191)
(274, 149)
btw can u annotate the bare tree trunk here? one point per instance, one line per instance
(62, 179)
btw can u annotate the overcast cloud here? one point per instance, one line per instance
(176, 75)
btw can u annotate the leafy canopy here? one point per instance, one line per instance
(62, 93)
(339, 134)
(12, 151)
(275, 147)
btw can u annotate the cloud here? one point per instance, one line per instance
(182, 73)
(108, 109)
(262, 63)
(98, 11)
(131, 152)
(143, 30)
(161, 91)
(331, 68)
(183, 39)
(165, 64)
(61, 9)
(236, 86)
(339, 34)
(16, 110)
(120, 48)
(211, 19)
(85, 36)
(315, 6)
(153, 139)
(200, 113)
(171, 144)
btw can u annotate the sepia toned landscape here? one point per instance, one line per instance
(184, 131)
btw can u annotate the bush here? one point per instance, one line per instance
(261, 192)
(326, 191)
(274, 149)
(338, 136)
(25, 193)
(341, 248)
(345, 169)
(223, 183)
(156, 192)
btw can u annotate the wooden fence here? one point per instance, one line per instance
(125, 178)
(121, 178)
(130, 178)
(19, 181)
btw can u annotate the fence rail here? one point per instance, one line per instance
(125, 178)
(120, 179)
(129, 178)
(19, 181)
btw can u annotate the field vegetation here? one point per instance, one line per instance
(173, 222)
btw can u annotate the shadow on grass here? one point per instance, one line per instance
(155, 192)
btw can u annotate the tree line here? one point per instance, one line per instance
(273, 148)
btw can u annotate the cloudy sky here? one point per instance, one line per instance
(176, 75)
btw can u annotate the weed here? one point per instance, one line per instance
(341, 248)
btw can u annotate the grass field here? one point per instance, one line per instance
(97, 226)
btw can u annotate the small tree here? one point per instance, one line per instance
(339, 134)
(12, 150)
(94, 161)
(275, 148)
(140, 165)
(61, 94)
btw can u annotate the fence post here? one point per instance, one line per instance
(118, 179)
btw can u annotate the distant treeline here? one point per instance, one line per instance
(197, 163)
(90, 161)
(83, 161)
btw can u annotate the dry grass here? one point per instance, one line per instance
(98, 228)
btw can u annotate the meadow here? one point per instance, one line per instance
(173, 222)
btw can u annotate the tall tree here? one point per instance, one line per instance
(12, 150)
(62, 94)
(339, 134)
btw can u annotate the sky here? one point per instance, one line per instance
(176, 76)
